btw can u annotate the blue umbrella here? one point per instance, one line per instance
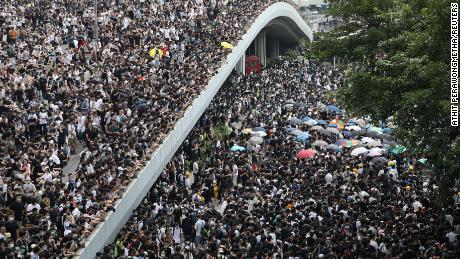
(347, 133)
(322, 122)
(259, 129)
(332, 126)
(333, 108)
(303, 137)
(237, 148)
(352, 122)
(388, 130)
(306, 118)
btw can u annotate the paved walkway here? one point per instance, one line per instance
(72, 165)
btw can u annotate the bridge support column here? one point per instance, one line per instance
(241, 65)
(261, 47)
(273, 48)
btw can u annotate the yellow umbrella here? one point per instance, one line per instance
(247, 131)
(226, 45)
(152, 52)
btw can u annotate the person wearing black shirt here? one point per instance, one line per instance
(18, 208)
(12, 227)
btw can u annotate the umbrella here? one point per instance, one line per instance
(374, 128)
(340, 124)
(237, 148)
(333, 130)
(347, 133)
(379, 160)
(288, 106)
(390, 143)
(306, 153)
(374, 143)
(384, 136)
(347, 142)
(398, 150)
(311, 122)
(422, 160)
(294, 121)
(322, 122)
(306, 118)
(374, 154)
(371, 134)
(334, 147)
(358, 151)
(259, 129)
(367, 140)
(316, 128)
(333, 108)
(246, 131)
(236, 125)
(300, 104)
(331, 126)
(256, 140)
(391, 125)
(352, 121)
(303, 137)
(319, 143)
(353, 127)
(381, 150)
(259, 134)
(388, 130)
(290, 101)
(325, 132)
(359, 132)
(290, 129)
(296, 132)
(226, 45)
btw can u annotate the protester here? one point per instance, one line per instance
(116, 89)
(332, 204)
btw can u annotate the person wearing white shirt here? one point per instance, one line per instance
(328, 178)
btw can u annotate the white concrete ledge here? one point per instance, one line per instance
(106, 231)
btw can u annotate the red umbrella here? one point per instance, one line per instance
(306, 153)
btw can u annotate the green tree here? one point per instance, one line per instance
(401, 53)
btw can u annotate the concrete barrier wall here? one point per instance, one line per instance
(106, 231)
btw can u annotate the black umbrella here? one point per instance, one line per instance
(358, 132)
(384, 136)
(379, 161)
(372, 134)
(325, 132)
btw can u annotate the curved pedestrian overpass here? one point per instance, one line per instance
(280, 20)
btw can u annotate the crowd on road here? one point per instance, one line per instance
(117, 88)
(274, 170)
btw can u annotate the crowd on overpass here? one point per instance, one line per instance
(115, 88)
(271, 170)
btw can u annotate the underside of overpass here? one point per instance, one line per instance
(279, 35)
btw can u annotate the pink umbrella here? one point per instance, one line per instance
(306, 153)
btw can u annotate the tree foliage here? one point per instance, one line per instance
(401, 53)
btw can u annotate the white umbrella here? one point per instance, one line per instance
(333, 130)
(358, 151)
(353, 127)
(319, 143)
(256, 140)
(259, 134)
(311, 122)
(374, 143)
(377, 149)
(374, 153)
(367, 140)
(317, 127)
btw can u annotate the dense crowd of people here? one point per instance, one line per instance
(117, 88)
(238, 187)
